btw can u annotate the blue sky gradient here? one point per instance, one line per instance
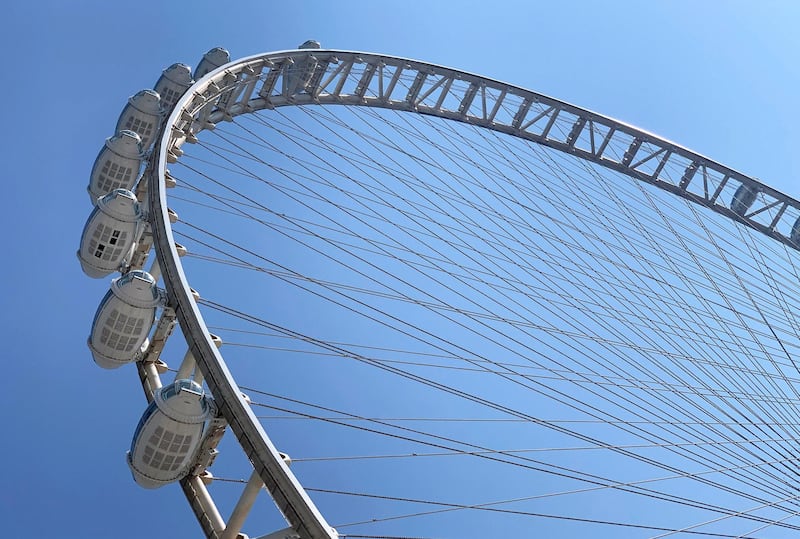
(721, 78)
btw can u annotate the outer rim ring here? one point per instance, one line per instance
(284, 488)
(227, 92)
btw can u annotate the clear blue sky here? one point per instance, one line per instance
(721, 78)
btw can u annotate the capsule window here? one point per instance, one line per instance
(107, 242)
(168, 462)
(143, 128)
(121, 333)
(175, 447)
(156, 436)
(169, 97)
(169, 392)
(181, 385)
(112, 340)
(113, 176)
(166, 450)
(158, 458)
(165, 440)
(119, 324)
(148, 454)
(105, 334)
(115, 342)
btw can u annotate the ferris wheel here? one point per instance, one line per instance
(459, 307)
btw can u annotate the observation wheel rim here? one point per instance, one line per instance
(208, 101)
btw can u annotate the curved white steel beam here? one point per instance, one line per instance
(329, 77)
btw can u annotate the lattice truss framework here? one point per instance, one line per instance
(348, 78)
(345, 78)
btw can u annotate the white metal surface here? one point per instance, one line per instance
(310, 76)
(363, 79)
(110, 233)
(142, 116)
(169, 434)
(321, 77)
(172, 84)
(117, 165)
(123, 320)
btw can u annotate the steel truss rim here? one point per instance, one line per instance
(202, 105)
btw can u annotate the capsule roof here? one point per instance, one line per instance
(137, 288)
(172, 84)
(179, 74)
(146, 101)
(142, 115)
(117, 165)
(184, 401)
(121, 204)
(125, 143)
(310, 44)
(211, 60)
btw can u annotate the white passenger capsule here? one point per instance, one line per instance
(310, 44)
(123, 319)
(117, 165)
(169, 434)
(211, 61)
(110, 233)
(743, 198)
(141, 115)
(300, 73)
(172, 84)
(795, 234)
